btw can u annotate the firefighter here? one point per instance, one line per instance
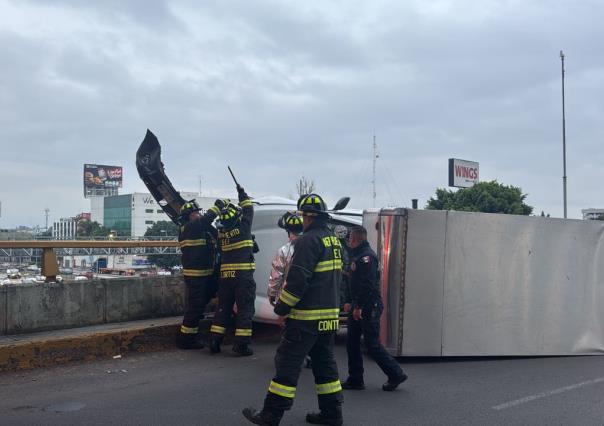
(237, 283)
(292, 223)
(197, 241)
(365, 310)
(308, 305)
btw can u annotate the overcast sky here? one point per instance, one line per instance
(278, 90)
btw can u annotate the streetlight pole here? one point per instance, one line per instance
(563, 137)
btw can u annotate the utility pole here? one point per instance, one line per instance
(375, 156)
(563, 137)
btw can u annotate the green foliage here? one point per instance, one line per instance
(162, 229)
(486, 197)
(600, 217)
(45, 234)
(88, 229)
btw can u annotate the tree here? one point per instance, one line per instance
(600, 217)
(87, 229)
(164, 228)
(486, 197)
(305, 186)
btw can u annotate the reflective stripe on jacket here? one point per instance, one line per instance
(197, 241)
(312, 291)
(236, 244)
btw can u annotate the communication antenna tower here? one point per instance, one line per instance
(374, 158)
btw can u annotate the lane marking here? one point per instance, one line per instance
(546, 394)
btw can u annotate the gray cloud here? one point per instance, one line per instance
(279, 90)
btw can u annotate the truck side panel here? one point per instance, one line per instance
(517, 285)
(424, 281)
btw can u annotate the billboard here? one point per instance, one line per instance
(463, 173)
(101, 180)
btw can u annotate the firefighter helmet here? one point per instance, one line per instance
(303, 196)
(291, 222)
(312, 205)
(230, 215)
(188, 208)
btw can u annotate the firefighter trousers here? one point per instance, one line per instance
(240, 290)
(369, 327)
(296, 342)
(199, 291)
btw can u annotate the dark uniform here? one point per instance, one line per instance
(365, 294)
(237, 283)
(197, 242)
(310, 299)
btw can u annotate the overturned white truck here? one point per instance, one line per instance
(477, 284)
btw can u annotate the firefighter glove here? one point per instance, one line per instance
(241, 193)
(221, 204)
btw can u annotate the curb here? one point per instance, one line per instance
(25, 352)
(46, 349)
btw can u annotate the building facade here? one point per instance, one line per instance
(130, 215)
(65, 229)
(592, 214)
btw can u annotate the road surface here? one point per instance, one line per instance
(193, 388)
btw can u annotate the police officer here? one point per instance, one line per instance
(364, 318)
(310, 300)
(237, 267)
(197, 242)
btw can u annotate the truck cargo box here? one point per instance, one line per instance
(479, 284)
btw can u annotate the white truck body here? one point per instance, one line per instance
(270, 238)
(477, 284)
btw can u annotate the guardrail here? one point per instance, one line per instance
(50, 268)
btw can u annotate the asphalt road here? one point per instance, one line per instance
(194, 388)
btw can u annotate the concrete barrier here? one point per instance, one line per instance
(28, 308)
(2, 310)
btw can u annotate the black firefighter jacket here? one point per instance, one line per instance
(236, 244)
(197, 241)
(311, 295)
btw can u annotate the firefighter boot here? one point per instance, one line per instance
(392, 384)
(351, 384)
(264, 417)
(215, 346)
(332, 417)
(189, 341)
(242, 349)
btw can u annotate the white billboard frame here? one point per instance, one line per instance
(463, 173)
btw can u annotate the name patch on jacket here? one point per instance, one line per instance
(329, 325)
(331, 241)
(230, 234)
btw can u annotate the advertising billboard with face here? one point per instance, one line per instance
(101, 180)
